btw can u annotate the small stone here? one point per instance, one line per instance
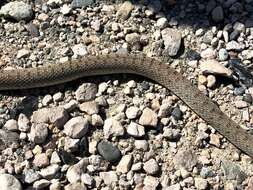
(90, 107)
(86, 92)
(215, 140)
(66, 9)
(208, 53)
(79, 50)
(233, 45)
(96, 25)
(50, 171)
(96, 120)
(124, 10)
(247, 54)
(162, 22)
(75, 172)
(11, 125)
(223, 54)
(17, 10)
(234, 35)
(31, 176)
(148, 118)
(141, 145)
(177, 113)
(81, 3)
(150, 182)
(241, 104)
(171, 134)
(232, 171)
(132, 112)
(113, 127)
(240, 27)
(71, 145)
(214, 67)
(23, 53)
(41, 184)
(39, 133)
(58, 97)
(172, 41)
(132, 38)
(135, 130)
(41, 160)
(9, 182)
(57, 116)
(201, 184)
(71, 105)
(136, 166)
(207, 38)
(186, 159)
(108, 151)
(151, 167)
(23, 123)
(206, 172)
(47, 100)
(218, 14)
(211, 80)
(55, 158)
(76, 127)
(125, 164)
(109, 177)
(75, 186)
(199, 32)
(87, 179)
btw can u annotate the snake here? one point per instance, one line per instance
(151, 68)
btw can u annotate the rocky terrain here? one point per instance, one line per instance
(123, 131)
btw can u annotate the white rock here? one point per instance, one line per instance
(135, 129)
(132, 112)
(9, 182)
(125, 164)
(148, 118)
(151, 167)
(109, 177)
(113, 127)
(208, 53)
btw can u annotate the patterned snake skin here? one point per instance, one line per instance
(147, 67)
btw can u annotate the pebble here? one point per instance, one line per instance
(132, 112)
(47, 99)
(76, 127)
(125, 164)
(66, 9)
(125, 10)
(75, 186)
(58, 97)
(50, 171)
(38, 133)
(223, 54)
(200, 183)
(17, 10)
(41, 160)
(75, 172)
(151, 167)
(135, 129)
(9, 182)
(162, 22)
(172, 41)
(113, 127)
(141, 145)
(233, 45)
(108, 151)
(81, 3)
(212, 66)
(109, 177)
(211, 81)
(218, 14)
(79, 50)
(23, 53)
(86, 92)
(90, 107)
(247, 54)
(11, 125)
(241, 104)
(148, 118)
(208, 53)
(31, 176)
(41, 184)
(232, 171)
(186, 159)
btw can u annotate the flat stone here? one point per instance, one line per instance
(11, 125)
(208, 53)
(186, 159)
(172, 41)
(9, 182)
(108, 151)
(76, 127)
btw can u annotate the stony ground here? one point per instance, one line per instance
(123, 131)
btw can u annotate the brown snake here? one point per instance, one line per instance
(140, 65)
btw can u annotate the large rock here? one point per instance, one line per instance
(9, 182)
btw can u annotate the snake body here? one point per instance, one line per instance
(140, 65)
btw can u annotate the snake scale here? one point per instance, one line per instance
(140, 65)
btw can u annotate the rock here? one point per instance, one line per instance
(58, 97)
(96, 25)
(211, 80)
(199, 32)
(247, 54)
(215, 140)
(113, 127)
(23, 123)
(172, 41)
(55, 158)
(66, 9)
(186, 159)
(148, 118)
(109, 177)
(76, 127)
(200, 184)
(74, 172)
(57, 116)
(41, 184)
(151, 167)
(206, 172)
(141, 145)
(41, 160)
(75, 186)
(171, 134)
(86, 92)
(50, 171)
(108, 151)
(31, 176)
(124, 10)
(240, 27)
(81, 3)
(218, 14)
(17, 10)
(87, 179)
(23, 53)
(162, 22)
(176, 186)
(132, 38)
(208, 53)
(177, 113)
(47, 100)
(9, 182)
(223, 54)
(39, 133)
(11, 125)
(233, 45)
(125, 164)
(7, 138)
(79, 50)
(71, 105)
(232, 171)
(90, 107)
(234, 35)
(151, 182)
(135, 130)
(214, 67)
(132, 112)
(208, 37)
(71, 145)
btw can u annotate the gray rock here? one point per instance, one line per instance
(233, 171)
(81, 3)
(172, 40)
(90, 107)
(124, 10)
(76, 127)
(132, 112)
(17, 10)
(218, 14)
(186, 159)
(39, 133)
(7, 138)
(108, 151)
(86, 92)
(31, 176)
(206, 172)
(57, 116)
(9, 182)
(223, 54)
(148, 118)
